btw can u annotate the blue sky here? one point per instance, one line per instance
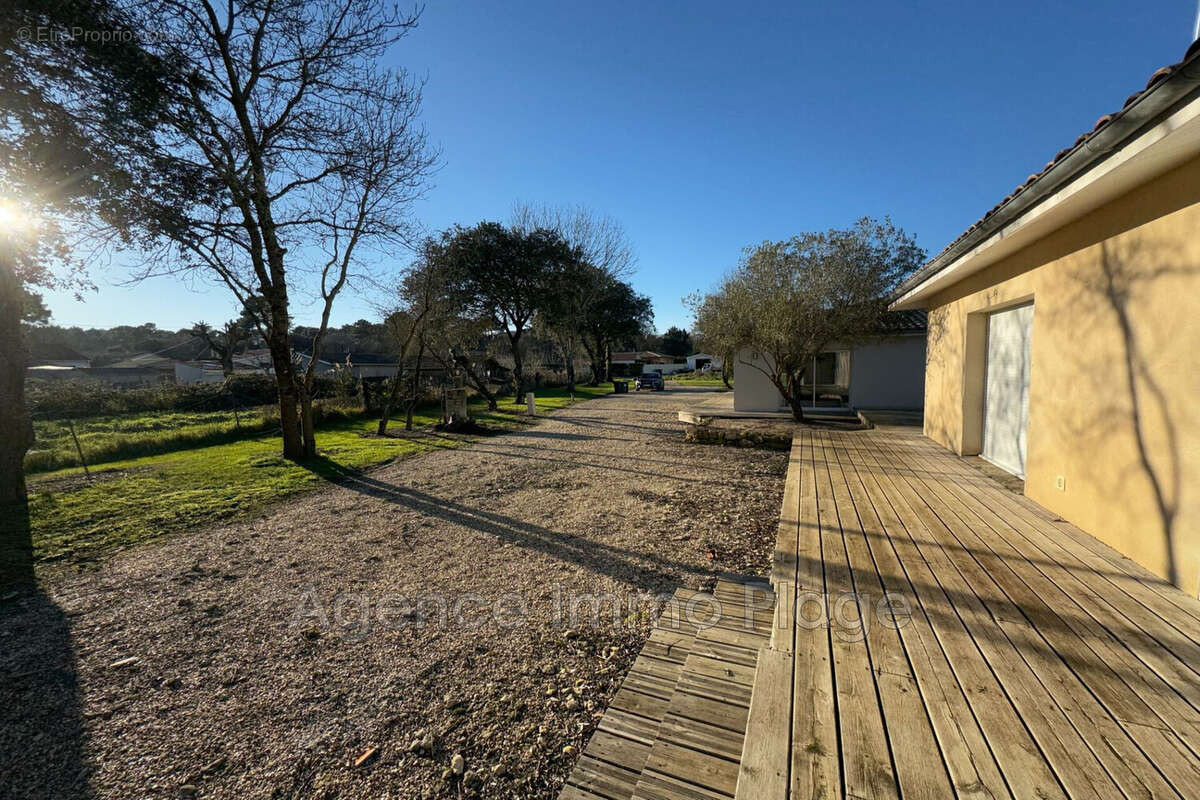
(705, 127)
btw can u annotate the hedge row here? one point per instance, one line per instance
(57, 399)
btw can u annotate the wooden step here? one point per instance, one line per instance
(698, 744)
(764, 759)
(610, 765)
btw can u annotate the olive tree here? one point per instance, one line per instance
(788, 301)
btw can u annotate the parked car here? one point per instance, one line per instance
(649, 380)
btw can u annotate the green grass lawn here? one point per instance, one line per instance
(699, 379)
(126, 436)
(134, 500)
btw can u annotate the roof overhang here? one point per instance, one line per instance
(1156, 134)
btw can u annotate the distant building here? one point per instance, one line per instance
(57, 355)
(886, 371)
(702, 360)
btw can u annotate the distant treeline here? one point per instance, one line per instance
(106, 346)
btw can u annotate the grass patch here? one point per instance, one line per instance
(700, 379)
(139, 499)
(125, 436)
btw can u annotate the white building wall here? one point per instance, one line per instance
(664, 369)
(753, 390)
(889, 374)
(714, 361)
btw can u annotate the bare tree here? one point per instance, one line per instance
(789, 300)
(415, 327)
(311, 155)
(578, 288)
(226, 341)
(600, 240)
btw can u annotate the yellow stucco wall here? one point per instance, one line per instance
(1114, 409)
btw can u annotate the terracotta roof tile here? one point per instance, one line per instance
(1162, 72)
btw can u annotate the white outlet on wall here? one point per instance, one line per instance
(1060, 482)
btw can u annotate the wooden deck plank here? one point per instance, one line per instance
(785, 563)
(685, 764)
(1021, 761)
(867, 769)
(815, 759)
(763, 770)
(910, 730)
(653, 786)
(634, 702)
(990, 617)
(709, 710)
(595, 778)
(696, 735)
(1083, 683)
(631, 726)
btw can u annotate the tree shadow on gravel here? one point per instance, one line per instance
(643, 569)
(41, 725)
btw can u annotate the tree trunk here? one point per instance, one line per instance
(285, 380)
(414, 388)
(480, 383)
(518, 370)
(16, 435)
(795, 398)
(593, 357)
(306, 424)
(725, 372)
(393, 394)
(571, 375)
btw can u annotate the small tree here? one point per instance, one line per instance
(604, 255)
(417, 327)
(788, 301)
(676, 342)
(225, 342)
(619, 314)
(505, 276)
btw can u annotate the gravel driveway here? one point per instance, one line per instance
(400, 618)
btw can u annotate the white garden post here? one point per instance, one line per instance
(532, 405)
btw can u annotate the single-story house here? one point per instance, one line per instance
(639, 357)
(885, 371)
(52, 354)
(169, 370)
(632, 362)
(1063, 330)
(702, 360)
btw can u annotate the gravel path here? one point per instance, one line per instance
(407, 615)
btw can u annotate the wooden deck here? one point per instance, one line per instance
(1034, 661)
(933, 635)
(675, 728)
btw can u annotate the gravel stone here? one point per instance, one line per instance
(288, 681)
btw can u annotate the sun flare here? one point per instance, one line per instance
(15, 220)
